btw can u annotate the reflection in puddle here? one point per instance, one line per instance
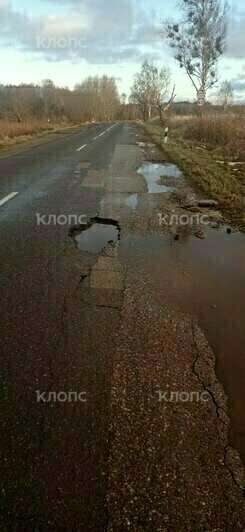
(152, 172)
(203, 279)
(94, 238)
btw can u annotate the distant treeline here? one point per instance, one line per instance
(188, 108)
(95, 98)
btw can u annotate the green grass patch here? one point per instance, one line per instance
(214, 180)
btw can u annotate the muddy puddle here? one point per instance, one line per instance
(154, 174)
(94, 237)
(206, 280)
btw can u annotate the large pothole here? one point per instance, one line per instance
(95, 234)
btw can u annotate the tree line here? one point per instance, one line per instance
(95, 98)
(198, 41)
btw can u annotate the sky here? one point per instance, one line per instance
(68, 40)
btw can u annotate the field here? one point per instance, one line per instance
(12, 132)
(211, 152)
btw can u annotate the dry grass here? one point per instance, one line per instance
(10, 130)
(196, 145)
(12, 133)
(223, 132)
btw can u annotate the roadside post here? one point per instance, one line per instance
(166, 135)
(201, 95)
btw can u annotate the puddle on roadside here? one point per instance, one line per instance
(93, 238)
(204, 279)
(153, 172)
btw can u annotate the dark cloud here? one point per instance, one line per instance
(97, 31)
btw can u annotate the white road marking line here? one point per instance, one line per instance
(84, 146)
(101, 134)
(9, 197)
(111, 127)
(95, 138)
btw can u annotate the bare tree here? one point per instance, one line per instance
(88, 92)
(99, 98)
(199, 40)
(96, 97)
(150, 88)
(109, 98)
(123, 98)
(142, 90)
(160, 79)
(225, 94)
(20, 102)
(48, 91)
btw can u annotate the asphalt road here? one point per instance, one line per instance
(90, 338)
(49, 466)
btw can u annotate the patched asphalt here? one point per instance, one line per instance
(147, 447)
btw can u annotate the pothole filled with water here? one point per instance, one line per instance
(154, 174)
(93, 236)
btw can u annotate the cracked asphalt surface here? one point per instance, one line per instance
(109, 326)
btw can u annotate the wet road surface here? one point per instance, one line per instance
(51, 451)
(108, 326)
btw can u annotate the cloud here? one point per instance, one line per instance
(238, 85)
(4, 4)
(236, 36)
(238, 82)
(98, 31)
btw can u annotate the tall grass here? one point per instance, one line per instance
(222, 138)
(223, 131)
(10, 130)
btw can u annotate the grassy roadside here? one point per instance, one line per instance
(13, 136)
(221, 182)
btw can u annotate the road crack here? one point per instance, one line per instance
(232, 460)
